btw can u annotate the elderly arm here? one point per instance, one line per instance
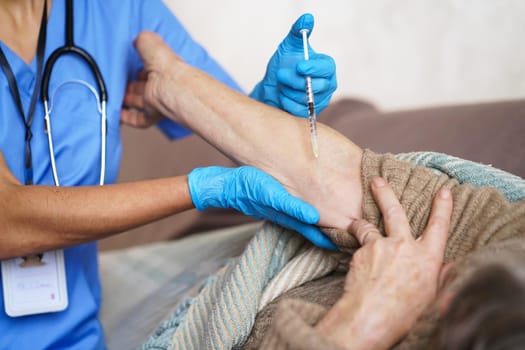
(256, 134)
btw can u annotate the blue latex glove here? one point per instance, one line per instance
(283, 85)
(255, 193)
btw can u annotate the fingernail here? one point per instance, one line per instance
(378, 182)
(444, 193)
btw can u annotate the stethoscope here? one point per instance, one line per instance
(102, 97)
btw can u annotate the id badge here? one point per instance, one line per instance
(35, 284)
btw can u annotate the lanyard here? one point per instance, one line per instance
(28, 120)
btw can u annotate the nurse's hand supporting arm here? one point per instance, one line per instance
(39, 218)
(256, 134)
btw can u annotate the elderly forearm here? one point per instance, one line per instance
(272, 140)
(241, 127)
(39, 218)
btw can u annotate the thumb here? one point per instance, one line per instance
(153, 51)
(294, 39)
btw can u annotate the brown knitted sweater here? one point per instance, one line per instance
(482, 221)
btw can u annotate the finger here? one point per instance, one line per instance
(292, 92)
(142, 76)
(310, 232)
(394, 216)
(269, 192)
(146, 44)
(289, 78)
(297, 95)
(318, 66)
(436, 233)
(295, 207)
(135, 118)
(134, 100)
(314, 235)
(294, 101)
(364, 231)
(136, 87)
(153, 51)
(129, 117)
(444, 274)
(305, 21)
(294, 39)
(300, 109)
(293, 107)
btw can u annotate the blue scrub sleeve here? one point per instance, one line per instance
(157, 17)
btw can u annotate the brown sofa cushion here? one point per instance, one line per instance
(490, 133)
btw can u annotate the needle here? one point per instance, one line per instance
(312, 118)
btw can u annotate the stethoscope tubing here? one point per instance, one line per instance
(64, 50)
(103, 138)
(71, 48)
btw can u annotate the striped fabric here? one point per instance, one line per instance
(222, 316)
(310, 264)
(276, 260)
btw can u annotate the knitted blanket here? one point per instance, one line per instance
(465, 171)
(277, 260)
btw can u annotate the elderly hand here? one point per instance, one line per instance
(391, 279)
(255, 193)
(283, 86)
(135, 111)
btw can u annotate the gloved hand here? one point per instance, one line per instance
(255, 193)
(283, 85)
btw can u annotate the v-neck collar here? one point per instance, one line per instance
(26, 73)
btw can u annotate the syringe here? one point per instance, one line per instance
(312, 117)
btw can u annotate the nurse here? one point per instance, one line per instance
(35, 219)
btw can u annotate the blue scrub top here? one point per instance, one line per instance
(106, 29)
